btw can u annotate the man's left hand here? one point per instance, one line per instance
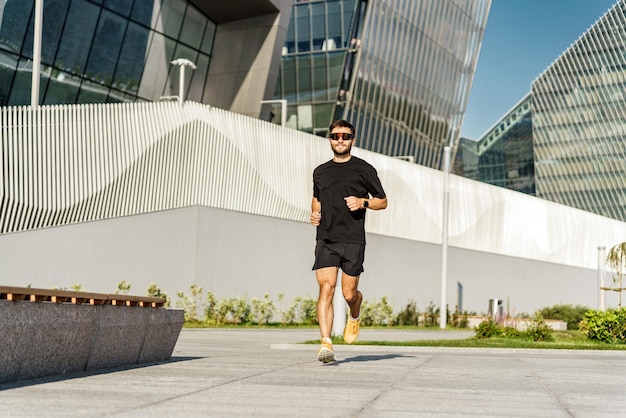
(354, 203)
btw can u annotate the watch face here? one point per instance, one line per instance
(366, 203)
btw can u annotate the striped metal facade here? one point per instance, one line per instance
(399, 70)
(579, 121)
(413, 73)
(67, 164)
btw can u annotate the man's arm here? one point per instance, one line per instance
(356, 203)
(316, 212)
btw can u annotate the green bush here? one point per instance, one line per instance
(410, 315)
(568, 313)
(606, 326)
(488, 329)
(377, 313)
(538, 330)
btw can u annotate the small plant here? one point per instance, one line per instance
(303, 311)
(538, 330)
(77, 287)
(263, 310)
(410, 315)
(123, 288)
(155, 292)
(431, 315)
(189, 303)
(606, 326)
(377, 313)
(488, 329)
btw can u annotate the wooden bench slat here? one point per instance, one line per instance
(68, 296)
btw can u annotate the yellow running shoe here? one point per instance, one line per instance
(351, 333)
(326, 353)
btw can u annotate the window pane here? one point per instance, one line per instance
(12, 30)
(320, 78)
(198, 79)
(209, 36)
(131, 61)
(172, 13)
(193, 28)
(158, 60)
(318, 27)
(120, 6)
(7, 72)
(91, 92)
(62, 88)
(52, 25)
(77, 35)
(304, 79)
(303, 36)
(144, 10)
(106, 47)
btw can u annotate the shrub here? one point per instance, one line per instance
(606, 326)
(538, 330)
(377, 313)
(155, 292)
(189, 303)
(431, 315)
(302, 310)
(488, 329)
(263, 310)
(410, 315)
(568, 313)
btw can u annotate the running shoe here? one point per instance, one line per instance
(326, 353)
(351, 332)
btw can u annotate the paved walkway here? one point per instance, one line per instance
(264, 373)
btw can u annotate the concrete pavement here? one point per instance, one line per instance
(265, 373)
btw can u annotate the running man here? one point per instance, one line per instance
(344, 188)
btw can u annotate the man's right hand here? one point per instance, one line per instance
(316, 217)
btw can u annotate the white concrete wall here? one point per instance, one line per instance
(237, 254)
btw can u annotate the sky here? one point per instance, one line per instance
(522, 39)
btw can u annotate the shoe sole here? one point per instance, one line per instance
(326, 356)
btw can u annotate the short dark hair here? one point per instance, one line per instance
(341, 123)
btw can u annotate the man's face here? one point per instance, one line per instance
(340, 144)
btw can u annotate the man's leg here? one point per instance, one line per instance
(349, 287)
(327, 280)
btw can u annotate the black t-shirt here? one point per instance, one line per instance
(332, 182)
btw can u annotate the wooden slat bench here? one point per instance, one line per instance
(69, 296)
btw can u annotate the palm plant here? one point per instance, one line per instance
(616, 259)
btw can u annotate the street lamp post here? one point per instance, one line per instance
(34, 92)
(182, 63)
(444, 239)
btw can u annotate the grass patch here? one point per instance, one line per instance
(563, 340)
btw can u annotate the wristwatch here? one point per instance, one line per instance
(366, 203)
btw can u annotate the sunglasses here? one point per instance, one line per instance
(341, 135)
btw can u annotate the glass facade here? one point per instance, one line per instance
(96, 51)
(399, 70)
(579, 121)
(504, 155)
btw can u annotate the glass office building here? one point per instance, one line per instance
(400, 70)
(96, 51)
(579, 121)
(504, 155)
(566, 140)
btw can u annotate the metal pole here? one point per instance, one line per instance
(181, 84)
(339, 311)
(444, 241)
(182, 63)
(601, 266)
(34, 92)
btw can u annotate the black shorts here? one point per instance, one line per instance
(348, 257)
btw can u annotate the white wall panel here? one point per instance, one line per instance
(69, 164)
